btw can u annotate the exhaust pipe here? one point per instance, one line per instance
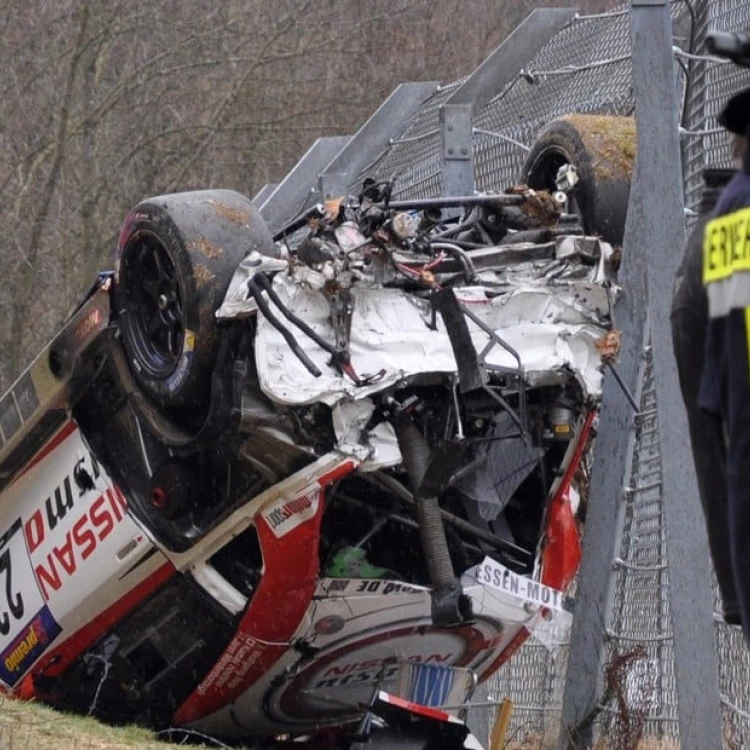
(450, 606)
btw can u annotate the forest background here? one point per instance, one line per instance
(103, 104)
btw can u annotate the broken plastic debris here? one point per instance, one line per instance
(609, 346)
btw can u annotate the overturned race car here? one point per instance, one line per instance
(306, 485)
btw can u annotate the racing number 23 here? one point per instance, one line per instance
(11, 600)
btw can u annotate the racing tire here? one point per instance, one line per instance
(602, 149)
(175, 258)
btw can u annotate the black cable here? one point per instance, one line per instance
(253, 288)
(265, 283)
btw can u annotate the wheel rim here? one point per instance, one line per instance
(542, 174)
(154, 305)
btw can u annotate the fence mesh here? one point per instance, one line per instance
(586, 68)
(641, 618)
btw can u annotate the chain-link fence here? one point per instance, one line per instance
(586, 67)
(598, 80)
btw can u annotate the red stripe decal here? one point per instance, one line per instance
(347, 467)
(562, 546)
(277, 606)
(418, 708)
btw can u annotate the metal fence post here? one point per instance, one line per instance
(653, 242)
(613, 454)
(374, 136)
(661, 236)
(299, 189)
(496, 72)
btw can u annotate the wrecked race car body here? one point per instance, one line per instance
(269, 486)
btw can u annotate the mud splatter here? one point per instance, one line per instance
(202, 275)
(204, 246)
(235, 215)
(611, 142)
(541, 206)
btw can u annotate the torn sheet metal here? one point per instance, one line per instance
(237, 303)
(554, 328)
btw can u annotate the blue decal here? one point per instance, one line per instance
(430, 684)
(30, 644)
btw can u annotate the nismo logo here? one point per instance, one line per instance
(286, 515)
(277, 516)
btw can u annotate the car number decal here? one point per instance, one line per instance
(27, 626)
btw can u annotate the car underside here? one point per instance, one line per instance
(254, 481)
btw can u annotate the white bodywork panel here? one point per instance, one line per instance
(550, 311)
(70, 553)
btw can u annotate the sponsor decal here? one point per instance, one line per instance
(386, 587)
(497, 576)
(178, 377)
(346, 671)
(285, 515)
(73, 509)
(64, 531)
(31, 642)
(59, 502)
(90, 323)
(22, 640)
(81, 540)
(239, 658)
(367, 672)
(354, 586)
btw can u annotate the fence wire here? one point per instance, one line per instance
(641, 617)
(586, 68)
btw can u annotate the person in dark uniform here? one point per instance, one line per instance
(725, 384)
(689, 318)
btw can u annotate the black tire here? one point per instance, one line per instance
(175, 258)
(602, 149)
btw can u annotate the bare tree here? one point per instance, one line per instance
(102, 104)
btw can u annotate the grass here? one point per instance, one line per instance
(33, 726)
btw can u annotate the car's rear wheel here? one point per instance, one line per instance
(602, 149)
(175, 258)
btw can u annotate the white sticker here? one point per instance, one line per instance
(20, 598)
(285, 515)
(491, 573)
(552, 629)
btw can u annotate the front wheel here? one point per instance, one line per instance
(175, 258)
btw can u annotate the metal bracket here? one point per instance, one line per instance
(299, 189)
(496, 72)
(457, 156)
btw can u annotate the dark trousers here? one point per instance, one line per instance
(709, 452)
(729, 355)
